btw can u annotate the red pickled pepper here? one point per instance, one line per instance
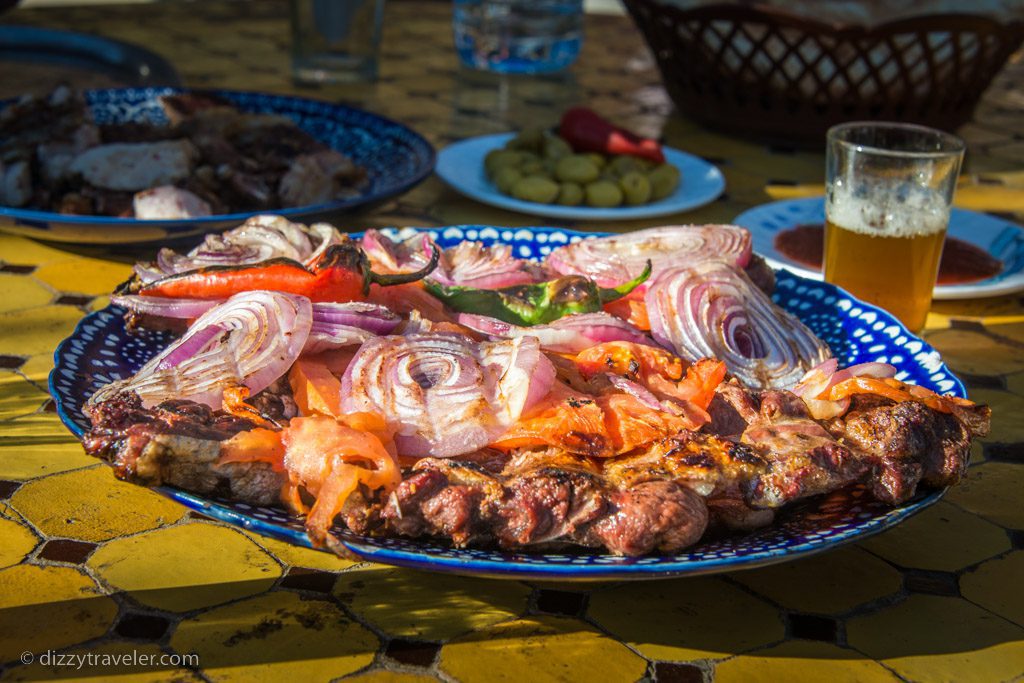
(587, 131)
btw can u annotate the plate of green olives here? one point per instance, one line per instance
(537, 172)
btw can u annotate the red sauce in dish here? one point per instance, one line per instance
(961, 262)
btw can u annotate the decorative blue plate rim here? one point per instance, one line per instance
(857, 331)
(421, 152)
(1002, 239)
(460, 165)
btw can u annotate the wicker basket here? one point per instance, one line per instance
(764, 73)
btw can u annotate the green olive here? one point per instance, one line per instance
(506, 177)
(555, 147)
(535, 188)
(501, 157)
(599, 160)
(603, 194)
(529, 139)
(664, 181)
(636, 187)
(622, 164)
(570, 194)
(576, 168)
(532, 165)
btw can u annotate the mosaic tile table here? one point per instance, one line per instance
(89, 565)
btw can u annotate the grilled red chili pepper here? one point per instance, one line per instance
(586, 131)
(342, 274)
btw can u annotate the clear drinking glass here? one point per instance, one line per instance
(336, 41)
(518, 36)
(888, 191)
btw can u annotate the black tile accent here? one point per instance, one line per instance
(812, 627)
(74, 300)
(412, 652)
(1005, 451)
(1016, 538)
(64, 550)
(778, 181)
(931, 582)
(192, 514)
(16, 269)
(982, 381)
(142, 626)
(670, 672)
(566, 603)
(782, 149)
(50, 406)
(7, 488)
(11, 362)
(972, 325)
(314, 580)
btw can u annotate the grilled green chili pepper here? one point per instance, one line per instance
(535, 304)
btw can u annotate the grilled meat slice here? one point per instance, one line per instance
(803, 459)
(909, 442)
(176, 443)
(731, 513)
(731, 409)
(652, 515)
(707, 464)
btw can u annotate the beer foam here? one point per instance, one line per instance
(888, 213)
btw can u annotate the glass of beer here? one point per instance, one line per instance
(888, 190)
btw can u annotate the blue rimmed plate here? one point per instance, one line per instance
(395, 157)
(461, 166)
(1002, 239)
(100, 350)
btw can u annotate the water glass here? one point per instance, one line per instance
(518, 36)
(336, 41)
(888, 191)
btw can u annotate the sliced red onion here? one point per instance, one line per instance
(471, 264)
(165, 308)
(444, 394)
(257, 336)
(570, 334)
(630, 387)
(714, 310)
(259, 238)
(390, 256)
(366, 316)
(619, 258)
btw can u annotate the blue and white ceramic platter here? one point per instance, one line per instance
(1002, 239)
(461, 165)
(100, 350)
(395, 157)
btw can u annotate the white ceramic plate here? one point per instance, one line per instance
(461, 165)
(1000, 238)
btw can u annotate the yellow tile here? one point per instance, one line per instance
(275, 637)
(995, 586)
(18, 396)
(113, 661)
(28, 457)
(186, 567)
(37, 368)
(831, 583)
(943, 538)
(540, 649)
(93, 505)
(686, 619)
(802, 661)
(976, 353)
(992, 490)
(1015, 383)
(49, 608)
(84, 275)
(36, 330)
(1007, 414)
(16, 542)
(21, 291)
(932, 638)
(297, 556)
(384, 676)
(412, 604)
(25, 252)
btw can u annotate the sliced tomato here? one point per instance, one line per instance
(255, 445)
(315, 388)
